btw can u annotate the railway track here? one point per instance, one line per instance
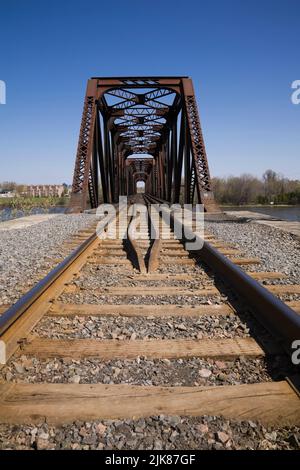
(115, 301)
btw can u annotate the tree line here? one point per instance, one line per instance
(248, 189)
(11, 186)
(18, 189)
(245, 189)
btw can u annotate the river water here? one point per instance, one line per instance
(7, 213)
(291, 213)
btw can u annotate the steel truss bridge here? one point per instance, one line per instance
(141, 129)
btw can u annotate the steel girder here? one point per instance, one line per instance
(125, 121)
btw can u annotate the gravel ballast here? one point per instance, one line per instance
(24, 258)
(156, 432)
(25, 253)
(143, 371)
(125, 328)
(277, 250)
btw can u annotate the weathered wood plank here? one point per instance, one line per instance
(155, 291)
(114, 349)
(229, 251)
(286, 289)
(294, 304)
(273, 403)
(113, 261)
(110, 252)
(150, 291)
(111, 243)
(266, 275)
(175, 254)
(241, 261)
(221, 245)
(166, 277)
(167, 260)
(3, 308)
(130, 310)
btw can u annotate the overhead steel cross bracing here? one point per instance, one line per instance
(141, 129)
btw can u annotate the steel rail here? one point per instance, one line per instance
(277, 317)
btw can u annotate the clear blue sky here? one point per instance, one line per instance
(242, 55)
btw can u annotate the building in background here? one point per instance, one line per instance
(7, 193)
(43, 190)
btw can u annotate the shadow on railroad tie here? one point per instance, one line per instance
(131, 254)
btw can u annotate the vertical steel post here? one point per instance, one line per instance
(81, 175)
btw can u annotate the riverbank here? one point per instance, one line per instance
(259, 205)
(283, 212)
(24, 222)
(25, 202)
(291, 227)
(13, 208)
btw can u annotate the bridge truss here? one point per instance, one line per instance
(141, 129)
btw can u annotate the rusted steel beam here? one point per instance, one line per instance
(140, 115)
(83, 158)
